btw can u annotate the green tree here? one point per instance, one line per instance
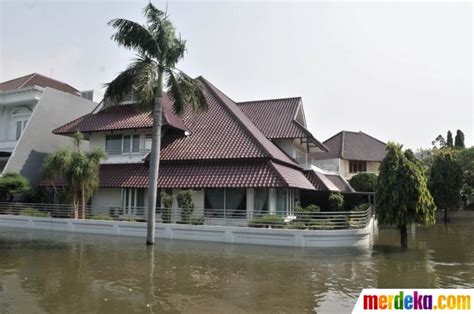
(466, 160)
(364, 182)
(12, 184)
(158, 50)
(425, 157)
(459, 139)
(402, 196)
(439, 142)
(336, 201)
(185, 202)
(79, 170)
(449, 140)
(445, 182)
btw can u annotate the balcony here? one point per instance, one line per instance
(7, 146)
(308, 163)
(125, 156)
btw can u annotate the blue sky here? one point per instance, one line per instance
(398, 71)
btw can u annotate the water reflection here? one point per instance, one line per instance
(60, 273)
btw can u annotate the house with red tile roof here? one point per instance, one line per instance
(32, 106)
(244, 158)
(350, 153)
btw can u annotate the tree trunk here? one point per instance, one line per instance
(83, 196)
(154, 167)
(403, 237)
(445, 215)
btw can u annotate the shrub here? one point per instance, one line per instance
(167, 201)
(99, 217)
(33, 213)
(364, 182)
(197, 221)
(306, 214)
(12, 184)
(185, 202)
(297, 225)
(336, 201)
(321, 225)
(267, 221)
(363, 207)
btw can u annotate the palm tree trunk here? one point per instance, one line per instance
(83, 195)
(154, 167)
(446, 215)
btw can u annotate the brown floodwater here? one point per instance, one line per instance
(50, 272)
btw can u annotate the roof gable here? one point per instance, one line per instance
(35, 79)
(353, 146)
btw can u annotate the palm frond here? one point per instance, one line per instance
(140, 76)
(154, 16)
(145, 82)
(185, 91)
(134, 36)
(175, 52)
(175, 93)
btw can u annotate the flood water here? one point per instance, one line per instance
(48, 272)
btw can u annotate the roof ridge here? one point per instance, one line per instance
(214, 90)
(372, 137)
(333, 136)
(31, 77)
(17, 78)
(265, 100)
(342, 144)
(52, 79)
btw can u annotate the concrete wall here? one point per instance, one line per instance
(226, 234)
(54, 109)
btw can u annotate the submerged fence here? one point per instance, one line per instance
(302, 220)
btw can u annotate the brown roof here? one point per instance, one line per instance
(220, 174)
(279, 118)
(352, 146)
(120, 117)
(35, 79)
(222, 132)
(327, 182)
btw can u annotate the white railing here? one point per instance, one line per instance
(302, 220)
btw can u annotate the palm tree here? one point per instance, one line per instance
(158, 49)
(79, 170)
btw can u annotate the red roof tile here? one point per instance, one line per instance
(36, 79)
(221, 174)
(279, 118)
(120, 117)
(327, 182)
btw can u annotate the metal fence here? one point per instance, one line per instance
(302, 220)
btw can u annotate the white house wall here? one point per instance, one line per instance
(54, 109)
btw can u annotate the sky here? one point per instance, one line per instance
(399, 71)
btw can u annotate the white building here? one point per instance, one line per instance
(30, 108)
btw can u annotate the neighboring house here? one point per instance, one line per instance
(241, 157)
(350, 153)
(30, 108)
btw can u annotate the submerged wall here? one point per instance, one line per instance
(225, 234)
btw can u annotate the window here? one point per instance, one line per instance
(357, 166)
(148, 142)
(133, 201)
(117, 144)
(113, 144)
(285, 202)
(226, 202)
(20, 126)
(260, 201)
